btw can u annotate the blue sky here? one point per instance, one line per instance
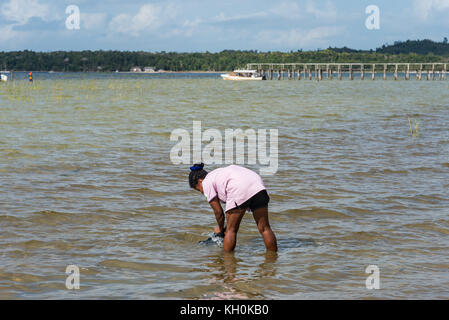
(208, 25)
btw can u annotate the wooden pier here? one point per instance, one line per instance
(319, 71)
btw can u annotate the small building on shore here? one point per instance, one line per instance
(136, 69)
(150, 69)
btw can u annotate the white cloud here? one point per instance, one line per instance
(190, 27)
(91, 21)
(191, 24)
(20, 11)
(423, 8)
(287, 9)
(299, 38)
(293, 10)
(223, 18)
(149, 18)
(7, 33)
(326, 11)
(17, 13)
(187, 29)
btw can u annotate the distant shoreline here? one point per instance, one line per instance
(168, 71)
(122, 72)
(410, 51)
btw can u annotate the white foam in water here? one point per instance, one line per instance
(213, 239)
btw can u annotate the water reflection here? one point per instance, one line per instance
(236, 278)
(268, 268)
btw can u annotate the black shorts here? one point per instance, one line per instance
(257, 201)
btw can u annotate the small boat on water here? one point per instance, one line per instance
(243, 75)
(3, 77)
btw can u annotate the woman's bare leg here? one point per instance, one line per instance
(261, 217)
(233, 219)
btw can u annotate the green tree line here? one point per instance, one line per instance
(408, 51)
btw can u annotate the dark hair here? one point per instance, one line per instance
(196, 172)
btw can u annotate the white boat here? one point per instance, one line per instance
(3, 77)
(243, 75)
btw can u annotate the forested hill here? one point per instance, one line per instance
(408, 51)
(417, 46)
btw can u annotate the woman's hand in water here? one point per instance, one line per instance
(218, 232)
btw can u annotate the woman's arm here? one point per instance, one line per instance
(219, 214)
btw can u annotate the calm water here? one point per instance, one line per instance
(86, 179)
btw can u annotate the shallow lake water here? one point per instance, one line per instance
(87, 180)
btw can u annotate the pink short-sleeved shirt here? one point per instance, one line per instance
(232, 185)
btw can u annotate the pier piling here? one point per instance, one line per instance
(293, 71)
